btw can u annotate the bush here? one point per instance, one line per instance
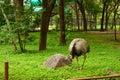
(4, 36)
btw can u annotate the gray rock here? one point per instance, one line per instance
(57, 60)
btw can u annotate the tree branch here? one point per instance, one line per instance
(9, 28)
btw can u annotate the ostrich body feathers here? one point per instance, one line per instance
(78, 47)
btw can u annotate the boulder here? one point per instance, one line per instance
(57, 60)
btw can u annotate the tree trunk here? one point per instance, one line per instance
(18, 5)
(81, 7)
(62, 24)
(95, 21)
(48, 7)
(102, 19)
(9, 28)
(77, 15)
(106, 22)
(106, 17)
(90, 21)
(115, 25)
(115, 12)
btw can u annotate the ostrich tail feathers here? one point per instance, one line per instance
(73, 52)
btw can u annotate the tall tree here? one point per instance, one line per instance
(106, 16)
(103, 13)
(47, 6)
(62, 24)
(95, 13)
(18, 5)
(108, 10)
(116, 6)
(9, 27)
(82, 9)
(77, 15)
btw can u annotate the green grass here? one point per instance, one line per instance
(105, 53)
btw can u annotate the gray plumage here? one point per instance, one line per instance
(78, 47)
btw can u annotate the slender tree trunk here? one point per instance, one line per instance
(102, 19)
(77, 15)
(9, 28)
(57, 24)
(95, 21)
(48, 7)
(90, 21)
(115, 12)
(62, 24)
(106, 17)
(106, 22)
(115, 25)
(81, 7)
(18, 5)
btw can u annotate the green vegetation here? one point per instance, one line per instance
(29, 65)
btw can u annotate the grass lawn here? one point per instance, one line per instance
(104, 54)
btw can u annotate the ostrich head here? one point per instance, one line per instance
(69, 59)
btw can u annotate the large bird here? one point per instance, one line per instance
(78, 47)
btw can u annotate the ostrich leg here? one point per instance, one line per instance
(77, 61)
(83, 61)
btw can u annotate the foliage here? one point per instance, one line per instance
(4, 36)
(8, 9)
(68, 15)
(37, 19)
(92, 7)
(104, 54)
(29, 20)
(2, 20)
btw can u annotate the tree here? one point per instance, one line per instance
(82, 9)
(62, 23)
(103, 13)
(77, 15)
(106, 16)
(18, 5)
(9, 27)
(116, 5)
(92, 8)
(47, 6)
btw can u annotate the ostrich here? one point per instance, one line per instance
(78, 47)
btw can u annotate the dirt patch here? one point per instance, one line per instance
(117, 46)
(103, 32)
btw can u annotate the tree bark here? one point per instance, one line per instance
(106, 17)
(102, 19)
(62, 24)
(77, 15)
(18, 5)
(109, 8)
(48, 7)
(95, 21)
(116, 5)
(81, 7)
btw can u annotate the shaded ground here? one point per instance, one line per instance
(104, 32)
